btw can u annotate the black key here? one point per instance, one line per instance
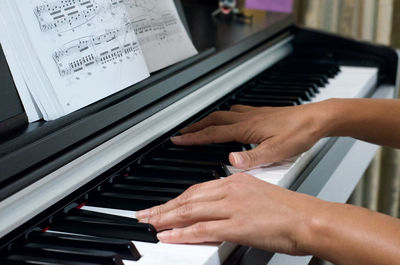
(155, 182)
(220, 168)
(199, 155)
(327, 70)
(24, 259)
(5, 261)
(322, 78)
(157, 171)
(124, 201)
(304, 95)
(125, 248)
(262, 102)
(143, 190)
(103, 216)
(104, 228)
(297, 100)
(41, 252)
(217, 147)
(310, 88)
(295, 79)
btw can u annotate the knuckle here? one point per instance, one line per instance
(199, 230)
(185, 211)
(183, 198)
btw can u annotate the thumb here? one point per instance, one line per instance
(263, 153)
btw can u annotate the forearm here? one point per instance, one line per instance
(372, 120)
(345, 234)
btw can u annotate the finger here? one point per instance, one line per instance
(212, 231)
(215, 118)
(242, 108)
(211, 134)
(189, 214)
(208, 191)
(269, 151)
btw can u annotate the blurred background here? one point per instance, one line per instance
(375, 21)
(368, 20)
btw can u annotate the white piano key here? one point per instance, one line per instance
(124, 213)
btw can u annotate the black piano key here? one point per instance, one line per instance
(304, 95)
(25, 259)
(153, 159)
(327, 70)
(164, 171)
(143, 190)
(4, 261)
(202, 155)
(217, 147)
(155, 182)
(104, 228)
(320, 77)
(297, 100)
(310, 88)
(262, 102)
(41, 252)
(295, 80)
(123, 201)
(125, 248)
(103, 216)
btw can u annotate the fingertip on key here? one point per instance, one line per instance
(165, 235)
(176, 139)
(142, 215)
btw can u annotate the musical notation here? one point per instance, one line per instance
(63, 14)
(149, 29)
(146, 5)
(112, 47)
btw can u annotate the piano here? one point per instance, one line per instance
(70, 188)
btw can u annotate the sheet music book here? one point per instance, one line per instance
(67, 54)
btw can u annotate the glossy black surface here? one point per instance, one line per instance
(44, 146)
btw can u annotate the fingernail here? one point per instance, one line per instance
(144, 220)
(163, 236)
(184, 130)
(176, 139)
(238, 159)
(144, 214)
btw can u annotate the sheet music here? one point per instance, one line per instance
(87, 48)
(160, 31)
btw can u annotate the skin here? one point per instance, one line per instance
(249, 211)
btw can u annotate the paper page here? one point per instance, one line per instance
(160, 31)
(29, 106)
(87, 48)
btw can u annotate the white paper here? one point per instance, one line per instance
(87, 48)
(160, 31)
(27, 101)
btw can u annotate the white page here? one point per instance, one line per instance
(160, 31)
(87, 48)
(31, 111)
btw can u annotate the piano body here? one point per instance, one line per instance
(88, 172)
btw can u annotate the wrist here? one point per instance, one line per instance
(313, 233)
(332, 114)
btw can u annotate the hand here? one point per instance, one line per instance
(240, 209)
(279, 132)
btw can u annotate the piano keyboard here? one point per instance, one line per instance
(101, 228)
